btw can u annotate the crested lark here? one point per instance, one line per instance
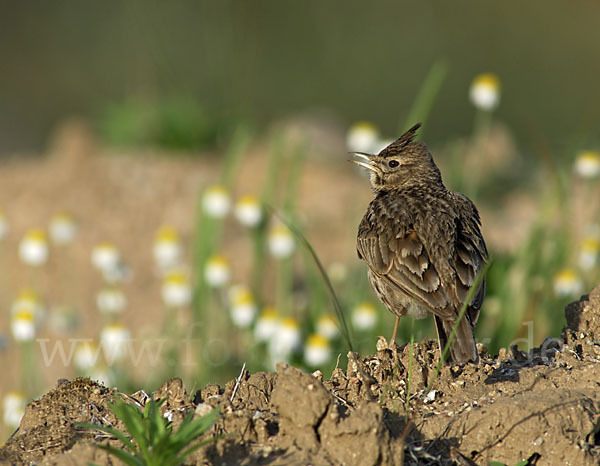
(422, 243)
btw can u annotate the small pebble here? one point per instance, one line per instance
(203, 409)
(430, 397)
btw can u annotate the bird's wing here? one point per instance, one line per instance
(470, 257)
(395, 252)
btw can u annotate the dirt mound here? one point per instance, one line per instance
(542, 406)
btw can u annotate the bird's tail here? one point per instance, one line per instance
(462, 348)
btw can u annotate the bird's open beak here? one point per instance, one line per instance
(369, 164)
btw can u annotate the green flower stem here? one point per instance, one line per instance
(284, 285)
(285, 267)
(208, 229)
(259, 238)
(4, 277)
(316, 292)
(269, 187)
(293, 178)
(426, 96)
(29, 379)
(259, 234)
(347, 332)
(481, 132)
(239, 144)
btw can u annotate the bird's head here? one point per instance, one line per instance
(404, 162)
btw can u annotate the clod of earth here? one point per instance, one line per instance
(543, 405)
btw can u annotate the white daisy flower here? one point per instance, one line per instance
(285, 340)
(86, 356)
(216, 202)
(167, 248)
(106, 257)
(62, 229)
(111, 301)
(567, 283)
(281, 242)
(588, 254)
(362, 137)
(176, 289)
(29, 300)
(22, 325)
(317, 350)
(217, 271)
(485, 91)
(33, 248)
(115, 339)
(13, 408)
(242, 306)
(587, 164)
(327, 327)
(266, 325)
(364, 316)
(248, 211)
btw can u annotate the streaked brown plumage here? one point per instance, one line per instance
(422, 243)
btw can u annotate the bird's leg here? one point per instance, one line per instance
(392, 343)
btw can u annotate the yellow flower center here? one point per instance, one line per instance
(27, 295)
(591, 245)
(269, 313)
(36, 235)
(248, 201)
(316, 340)
(290, 323)
(23, 315)
(589, 157)
(242, 298)
(217, 261)
(175, 278)
(487, 80)
(216, 190)
(566, 275)
(367, 308)
(167, 234)
(364, 126)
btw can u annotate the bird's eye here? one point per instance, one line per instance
(393, 163)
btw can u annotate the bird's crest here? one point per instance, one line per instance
(401, 142)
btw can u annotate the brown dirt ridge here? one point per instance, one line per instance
(542, 407)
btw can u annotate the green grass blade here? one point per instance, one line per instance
(293, 178)
(239, 143)
(191, 428)
(463, 309)
(426, 96)
(193, 448)
(346, 329)
(132, 417)
(123, 455)
(124, 439)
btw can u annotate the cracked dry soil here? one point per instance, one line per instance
(542, 406)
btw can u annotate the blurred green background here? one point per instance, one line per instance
(257, 61)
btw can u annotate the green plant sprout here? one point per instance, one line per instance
(151, 439)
